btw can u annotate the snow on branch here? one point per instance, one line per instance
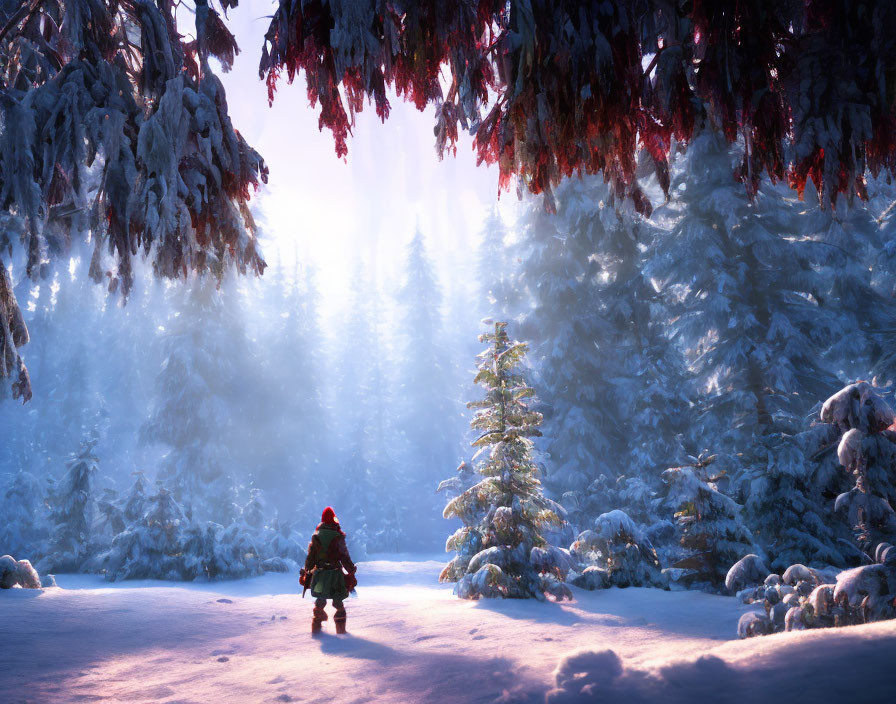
(115, 130)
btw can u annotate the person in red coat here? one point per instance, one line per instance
(323, 572)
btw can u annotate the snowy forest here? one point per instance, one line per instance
(662, 369)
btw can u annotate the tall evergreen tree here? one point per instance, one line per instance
(504, 554)
(191, 417)
(424, 394)
(614, 384)
(367, 475)
(747, 310)
(750, 313)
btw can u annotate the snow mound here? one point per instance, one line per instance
(805, 666)
(17, 573)
(748, 570)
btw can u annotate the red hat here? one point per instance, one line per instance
(328, 516)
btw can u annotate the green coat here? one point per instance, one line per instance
(326, 583)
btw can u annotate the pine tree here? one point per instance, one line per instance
(424, 400)
(198, 379)
(711, 531)
(509, 555)
(153, 546)
(858, 422)
(753, 316)
(72, 514)
(603, 361)
(747, 310)
(23, 505)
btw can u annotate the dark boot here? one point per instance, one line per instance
(318, 617)
(339, 619)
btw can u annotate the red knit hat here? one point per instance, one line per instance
(328, 516)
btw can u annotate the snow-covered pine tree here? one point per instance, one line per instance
(615, 385)
(116, 129)
(750, 313)
(746, 311)
(616, 553)
(72, 514)
(23, 506)
(858, 422)
(711, 531)
(511, 558)
(152, 547)
(190, 416)
(424, 400)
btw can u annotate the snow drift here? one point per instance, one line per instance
(819, 666)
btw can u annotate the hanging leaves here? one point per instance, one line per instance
(113, 128)
(548, 90)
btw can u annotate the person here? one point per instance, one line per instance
(327, 556)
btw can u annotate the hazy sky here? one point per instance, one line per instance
(331, 208)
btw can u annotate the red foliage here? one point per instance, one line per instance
(553, 89)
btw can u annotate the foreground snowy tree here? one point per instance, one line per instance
(115, 129)
(615, 554)
(504, 554)
(861, 424)
(711, 531)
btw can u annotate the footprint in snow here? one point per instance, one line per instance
(479, 637)
(223, 658)
(284, 698)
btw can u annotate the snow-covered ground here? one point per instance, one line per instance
(411, 640)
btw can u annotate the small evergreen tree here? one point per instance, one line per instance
(503, 554)
(135, 500)
(152, 546)
(72, 514)
(711, 531)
